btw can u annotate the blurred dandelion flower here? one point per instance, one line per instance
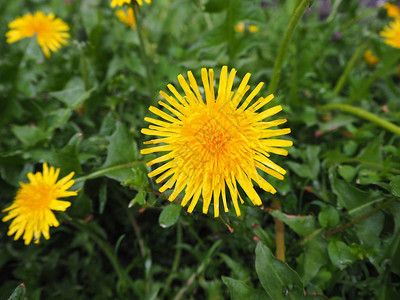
(50, 31)
(126, 17)
(392, 34)
(115, 3)
(370, 58)
(222, 141)
(392, 10)
(253, 28)
(34, 202)
(240, 27)
(140, 2)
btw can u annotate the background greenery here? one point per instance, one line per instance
(82, 110)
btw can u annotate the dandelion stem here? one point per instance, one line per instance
(136, 229)
(342, 80)
(276, 74)
(143, 50)
(280, 233)
(177, 259)
(102, 172)
(363, 114)
(84, 68)
(382, 206)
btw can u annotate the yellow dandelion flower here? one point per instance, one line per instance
(370, 58)
(34, 202)
(51, 32)
(240, 27)
(254, 28)
(392, 34)
(392, 10)
(115, 3)
(126, 17)
(222, 141)
(140, 2)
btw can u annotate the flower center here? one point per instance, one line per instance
(37, 197)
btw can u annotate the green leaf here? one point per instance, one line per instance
(29, 135)
(328, 217)
(276, 276)
(19, 293)
(121, 150)
(213, 6)
(347, 172)
(81, 205)
(74, 94)
(102, 197)
(315, 257)
(239, 290)
(238, 270)
(67, 159)
(340, 254)
(393, 249)
(353, 199)
(369, 230)
(302, 225)
(169, 215)
(395, 186)
(140, 198)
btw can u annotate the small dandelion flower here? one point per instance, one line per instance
(217, 143)
(126, 17)
(370, 58)
(34, 202)
(392, 34)
(51, 32)
(115, 3)
(254, 28)
(392, 10)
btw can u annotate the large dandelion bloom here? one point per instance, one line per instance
(222, 141)
(392, 34)
(33, 205)
(51, 32)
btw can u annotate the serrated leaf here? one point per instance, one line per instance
(302, 225)
(352, 198)
(74, 94)
(277, 278)
(169, 215)
(67, 158)
(239, 290)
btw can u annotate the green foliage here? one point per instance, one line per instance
(82, 110)
(277, 278)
